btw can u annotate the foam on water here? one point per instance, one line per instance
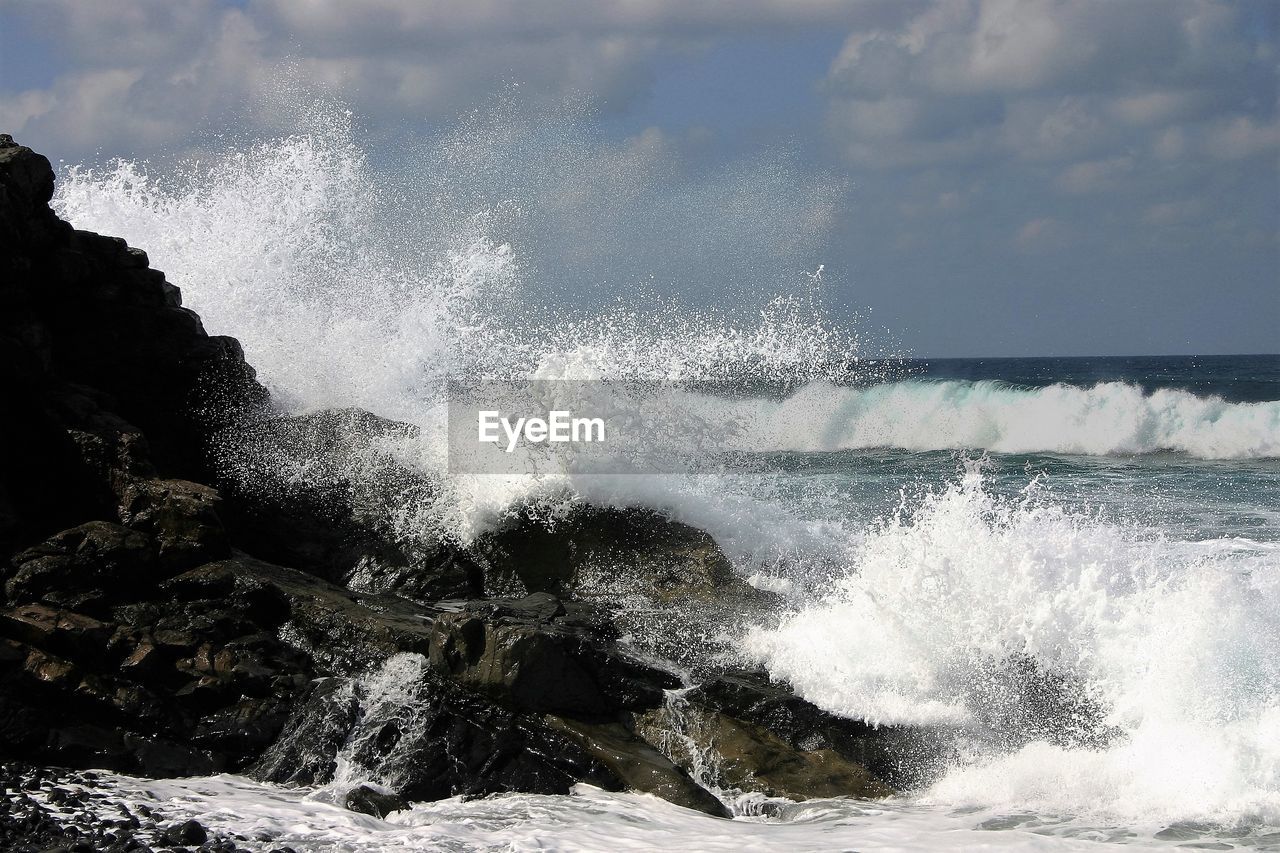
(1170, 645)
(267, 817)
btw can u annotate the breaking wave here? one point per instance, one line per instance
(1111, 418)
(1153, 689)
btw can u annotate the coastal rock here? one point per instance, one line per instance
(614, 549)
(324, 492)
(426, 738)
(366, 800)
(538, 654)
(85, 567)
(193, 683)
(180, 516)
(94, 346)
(752, 735)
(639, 765)
(195, 583)
(317, 728)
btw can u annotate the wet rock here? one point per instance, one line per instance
(640, 766)
(319, 725)
(194, 684)
(537, 654)
(342, 630)
(756, 736)
(901, 756)
(611, 548)
(59, 631)
(430, 739)
(182, 519)
(189, 833)
(366, 800)
(341, 520)
(752, 758)
(451, 741)
(85, 567)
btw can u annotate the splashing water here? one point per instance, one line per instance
(1168, 648)
(300, 251)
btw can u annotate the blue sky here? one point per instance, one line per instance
(980, 177)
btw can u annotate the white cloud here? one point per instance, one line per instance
(204, 61)
(1094, 175)
(1065, 80)
(1243, 136)
(1043, 232)
(1172, 212)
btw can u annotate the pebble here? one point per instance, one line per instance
(43, 810)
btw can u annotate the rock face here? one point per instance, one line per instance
(96, 351)
(750, 734)
(178, 599)
(641, 548)
(337, 521)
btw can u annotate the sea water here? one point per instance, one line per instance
(930, 525)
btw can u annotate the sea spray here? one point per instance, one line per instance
(344, 296)
(1166, 649)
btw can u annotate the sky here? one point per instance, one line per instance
(978, 177)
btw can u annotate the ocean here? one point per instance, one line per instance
(1114, 520)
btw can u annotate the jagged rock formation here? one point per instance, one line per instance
(171, 605)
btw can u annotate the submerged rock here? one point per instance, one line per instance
(366, 800)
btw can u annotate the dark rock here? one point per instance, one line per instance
(640, 766)
(189, 832)
(761, 737)
(95, 347)
(194, 685)
(344, 631)
(366, 800)
(181, 517)
(752, 758)
(534, 656)
(340, 520)
(681, 593)
(85, 567)
(900, 756)
(319, 725)
(433, 739)
(58, 631)
(635, 548)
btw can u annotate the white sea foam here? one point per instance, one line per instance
(267, 817)
(1172, 644)
(1110, 418)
